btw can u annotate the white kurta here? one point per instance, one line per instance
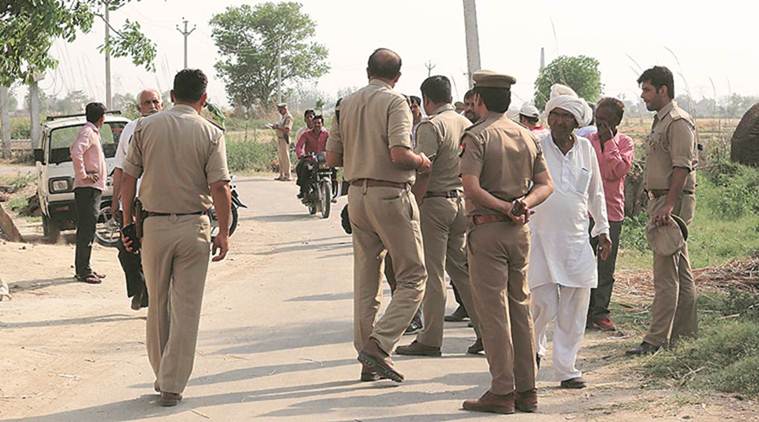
(560, 251)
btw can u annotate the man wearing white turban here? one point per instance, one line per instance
(562, 267)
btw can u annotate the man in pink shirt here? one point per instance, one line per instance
(614, 151)
(312, 141)
(89, 182)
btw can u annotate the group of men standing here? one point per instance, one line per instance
(482, 201)
(505, 213)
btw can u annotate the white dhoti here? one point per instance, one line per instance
(568, 306)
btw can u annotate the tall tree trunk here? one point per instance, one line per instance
(5, 122)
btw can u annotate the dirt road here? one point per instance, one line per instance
(275, 342)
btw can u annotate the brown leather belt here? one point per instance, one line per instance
(658, 193)
(179, 214)
(450, 194)
(378, 183)
(489, 218)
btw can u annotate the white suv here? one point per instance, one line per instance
(55, 172)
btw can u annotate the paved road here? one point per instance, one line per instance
(275, 338)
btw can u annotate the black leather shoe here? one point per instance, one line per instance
(418, 349)
(574, 383)
(414, 327)
(476, 348)
(643, 349)
(458, 315)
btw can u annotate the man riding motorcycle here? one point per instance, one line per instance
(310, 144)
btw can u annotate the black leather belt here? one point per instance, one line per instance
(178, 214)
(450, 194)
(658, 193)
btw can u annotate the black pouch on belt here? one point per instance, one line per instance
(139, 218)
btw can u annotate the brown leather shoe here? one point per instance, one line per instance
(526, 401)
(169, 399)
(492, 403)
(375, 358)
(418, 349)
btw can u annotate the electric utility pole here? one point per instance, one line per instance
(185, 33)
(472, 39)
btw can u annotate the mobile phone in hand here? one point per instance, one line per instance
(130, 232)
(517, 208)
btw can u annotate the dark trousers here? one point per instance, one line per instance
(135, 278)
(458, 297)
(601, 295)
(87, 202)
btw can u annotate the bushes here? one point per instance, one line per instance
(250, 155)
(634, 233)
(737, 185)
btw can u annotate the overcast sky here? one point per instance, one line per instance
(712, 43)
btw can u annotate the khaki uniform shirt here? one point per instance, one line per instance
(672, 143)
(504, 155)
(179, 154)
(285, 121)
(438, 138)
(372, 120)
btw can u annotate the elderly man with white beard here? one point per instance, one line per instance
(562, 267)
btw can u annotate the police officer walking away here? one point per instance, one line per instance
(371, 138)
(504, 176)
(443, 217)
(182, 160)
(671, 183)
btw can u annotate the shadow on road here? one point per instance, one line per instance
(250, 340)
(30, 285)
(281, 218)
(326, 297)
(71, 321)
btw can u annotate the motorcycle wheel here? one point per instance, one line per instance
(107, 229)
(326, 197)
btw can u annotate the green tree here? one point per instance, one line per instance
(28, 29)
(578, 72)
(252, 41)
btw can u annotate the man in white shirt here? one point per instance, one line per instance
(562, 267)
(149, 102)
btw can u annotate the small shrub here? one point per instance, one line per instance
(634, 233)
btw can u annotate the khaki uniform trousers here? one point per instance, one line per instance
(283, 155)
(175, 256)
(385, 218)
(673, 313)
(444, 232)
(498, 255)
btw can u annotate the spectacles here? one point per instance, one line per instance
(152, 102)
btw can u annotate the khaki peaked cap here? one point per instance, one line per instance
(490, 79)
(668, 239)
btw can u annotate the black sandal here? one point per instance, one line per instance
(574, 383)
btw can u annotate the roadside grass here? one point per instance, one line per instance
(726, 224)
(725, 356)
(17, 182)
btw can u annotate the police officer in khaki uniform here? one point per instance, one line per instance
(182, 160)
(504, 176)
(371, 138)
(671, 183)
(283, 128)
(443, 217)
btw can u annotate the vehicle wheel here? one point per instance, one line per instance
(50, 229)
(326, 198)
(107, 229)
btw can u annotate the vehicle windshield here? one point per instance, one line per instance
(62, 138)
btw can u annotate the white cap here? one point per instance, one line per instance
(529, 110)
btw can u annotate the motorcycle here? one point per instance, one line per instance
(108, 228)
(319, 185)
